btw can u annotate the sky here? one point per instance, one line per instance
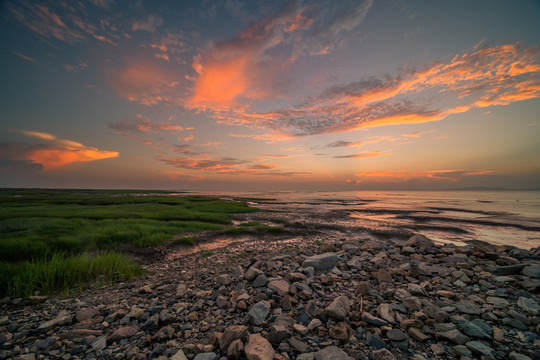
(270, 95)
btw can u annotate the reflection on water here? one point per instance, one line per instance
(499, 217)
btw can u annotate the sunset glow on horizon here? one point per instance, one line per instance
(281, 95)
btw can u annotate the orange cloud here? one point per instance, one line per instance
(57, 153)
(498, 75)
(363, 155)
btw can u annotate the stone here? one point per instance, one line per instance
(332, 353)
(58, 321)
(5, 337)
(420, 242)
(508, 270)
(146, 289)
(434, 312)
(376, 342)
(206, 356)
(383, 354)
(100, 343)
(479, 347)
(86, 313)
(122, 333)
(340, 332)
(321, 262)
(383, 276)
(299, 345)
(473, 330)
(371, 319)
(259, 281)
(232, 333)
(339, 308)
(517, 356)
(258, 348)
(278, 333)
(418, 334)
(301, 329)
(396, 335)
(529, 305)
(532, 271)
(313, 324)
(412, 303)
(224, 279)
(181, 290)
(386, 313)
(281, 287)
(165, 333)
(252, 273)
(258, 312)
(179, 356)
(454, 336)
(234, 351)
(468, 308)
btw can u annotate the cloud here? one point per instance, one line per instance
(498, 75)
(402, 176)
(150, 24)
(22, 56)
(342, 143)
(56, 153)
(145, 83)
(363, 155)
(245, 66)
(139, 124)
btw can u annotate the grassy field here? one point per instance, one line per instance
(51, 239)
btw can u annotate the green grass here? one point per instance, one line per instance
(185, 240)
(64, 272)
(253, 227)
(206, 253)
(37, 225)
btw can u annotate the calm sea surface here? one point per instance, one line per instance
(498, 217)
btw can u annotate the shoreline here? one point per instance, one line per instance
(404, 299)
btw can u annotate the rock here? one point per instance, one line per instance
(165, 333)
(383, 354)
(259, 281)
(340, 332)
(434, 312)
(479, 347)
(86, 313)
(224, 279)
(146, 289)
(375, 341)
(350, 248)
(454, 336)
(206, 356)
(259, 348)
(322, 261)
(412, 303)
(508, 270)
(5, 337)
(30, 356)
(252, 273)
(58, 321)
(281, 287)
(516, 356)
(301, 329)
(383, 276)
(232, 333)
(315, 323)
(234, 351)
(332, 353)
(420, 242)
(179, 356)
(122, 333)
(339, 308)
(418, 334)
(529, 305)
(386, 313)
(100, 343)
(278, 333)
(181, 290)
(532, 271)
(468, 308)
(258, 312)
(299, 346)
(396, 335)
(371, 319)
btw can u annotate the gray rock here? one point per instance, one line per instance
(383, 354)
(224, 279)
(350, 248)
(332, 353)
(370, 319)
(479, 347)
(234, 351)
(418, 334)
(386, 313)
(5, 337)
(383, 276)
(508, 270)
(454, 336)
(259, 281)
(181, 290)
(281, 287)
(206, 356)
(376, 342)
(396, 335)
(468, 308)
(473, 330)
(322, 261)
(517, 356)
(258, 348)
(179, 356)
(58, 321)
(529, 305)
(86, 313)
(100, 343)
(252, 273)
(122, 333)
(258, 313)
(531, 271)
(299, 345)
(339, 308)
(420, 242)
(165, 333)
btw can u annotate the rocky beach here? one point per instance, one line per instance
(321, 290)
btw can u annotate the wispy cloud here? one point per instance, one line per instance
(363, 155)
(140, 124)
(22, 56)
(402, 176)
(149, 24)
(55, 153)
(343, 143)
(491, 76)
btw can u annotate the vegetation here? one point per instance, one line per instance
(253, 227)
(52, 232)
